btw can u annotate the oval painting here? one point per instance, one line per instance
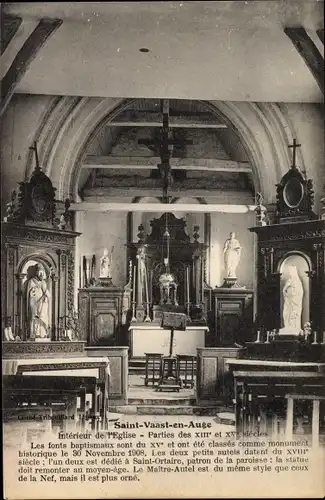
(293, 193)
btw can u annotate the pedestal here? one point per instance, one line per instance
(100, 314)
(232, 317)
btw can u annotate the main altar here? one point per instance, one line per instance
(167, 274)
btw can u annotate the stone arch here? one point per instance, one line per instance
(72, 123)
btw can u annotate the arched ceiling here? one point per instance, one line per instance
(231, 51)
(207, 157)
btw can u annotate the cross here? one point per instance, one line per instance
(165, 145)
(294, 146)
(34, 148)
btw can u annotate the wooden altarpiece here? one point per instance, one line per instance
(295, 240)
(186, 264)
(35, 236)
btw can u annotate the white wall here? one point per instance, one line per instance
(308, 123)
(103, 230)
(221, 226)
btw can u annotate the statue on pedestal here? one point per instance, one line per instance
(231, 254)
(106, 264)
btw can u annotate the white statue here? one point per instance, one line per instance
(106, 264)
(231, 252)
(292, 305)
(143, 292)
(38, 304)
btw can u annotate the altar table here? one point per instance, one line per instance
(145, 338)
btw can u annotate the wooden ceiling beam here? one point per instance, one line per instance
(320, 34)
(160, 207)
(24, 58)
(155, 119)
(151, 162)
(9, 27)
(309, 52)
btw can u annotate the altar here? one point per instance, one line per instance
(153, 338)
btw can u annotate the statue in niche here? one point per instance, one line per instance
(38, 304)
(106, 264)
(231, 253)
(292, 301)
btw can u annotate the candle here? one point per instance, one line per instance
(134, 273)
(315, 338)
(267, 337)
(146, 286)
(258, 336)
(187, 286)
(202, 275)
(323, 338)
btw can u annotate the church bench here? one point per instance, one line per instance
(261, 394)
(57, 392)
(60, 394)
(318, 413)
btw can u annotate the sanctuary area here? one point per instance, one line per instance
(163, 233)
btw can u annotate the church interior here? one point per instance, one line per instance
(163, 201)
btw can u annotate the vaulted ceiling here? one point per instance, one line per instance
(225, 50)
(207, 155)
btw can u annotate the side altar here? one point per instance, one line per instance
(168, 274)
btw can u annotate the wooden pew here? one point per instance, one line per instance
(58, 392)
(260, 395)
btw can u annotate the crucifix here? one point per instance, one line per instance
(294, 146)
(165, 145)
(34, 148)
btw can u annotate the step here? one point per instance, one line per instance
(177, 410)
(165, 401)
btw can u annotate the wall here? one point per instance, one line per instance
(103, 230)
(221, 226)
(18, 129)
(308, 123)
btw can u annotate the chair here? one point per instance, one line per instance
(153, 368)
(169, 379)
(185, 365)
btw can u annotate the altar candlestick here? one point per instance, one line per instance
(202, 275)
(315, 338)
(323, 338)
(133, 294)
(133, 284)
(267, 337)
(187, 286)
(80, 275)
(146, 285)
(147, 294)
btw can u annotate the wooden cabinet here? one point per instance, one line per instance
(214, 381)
(233, 316)
(100, 313)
